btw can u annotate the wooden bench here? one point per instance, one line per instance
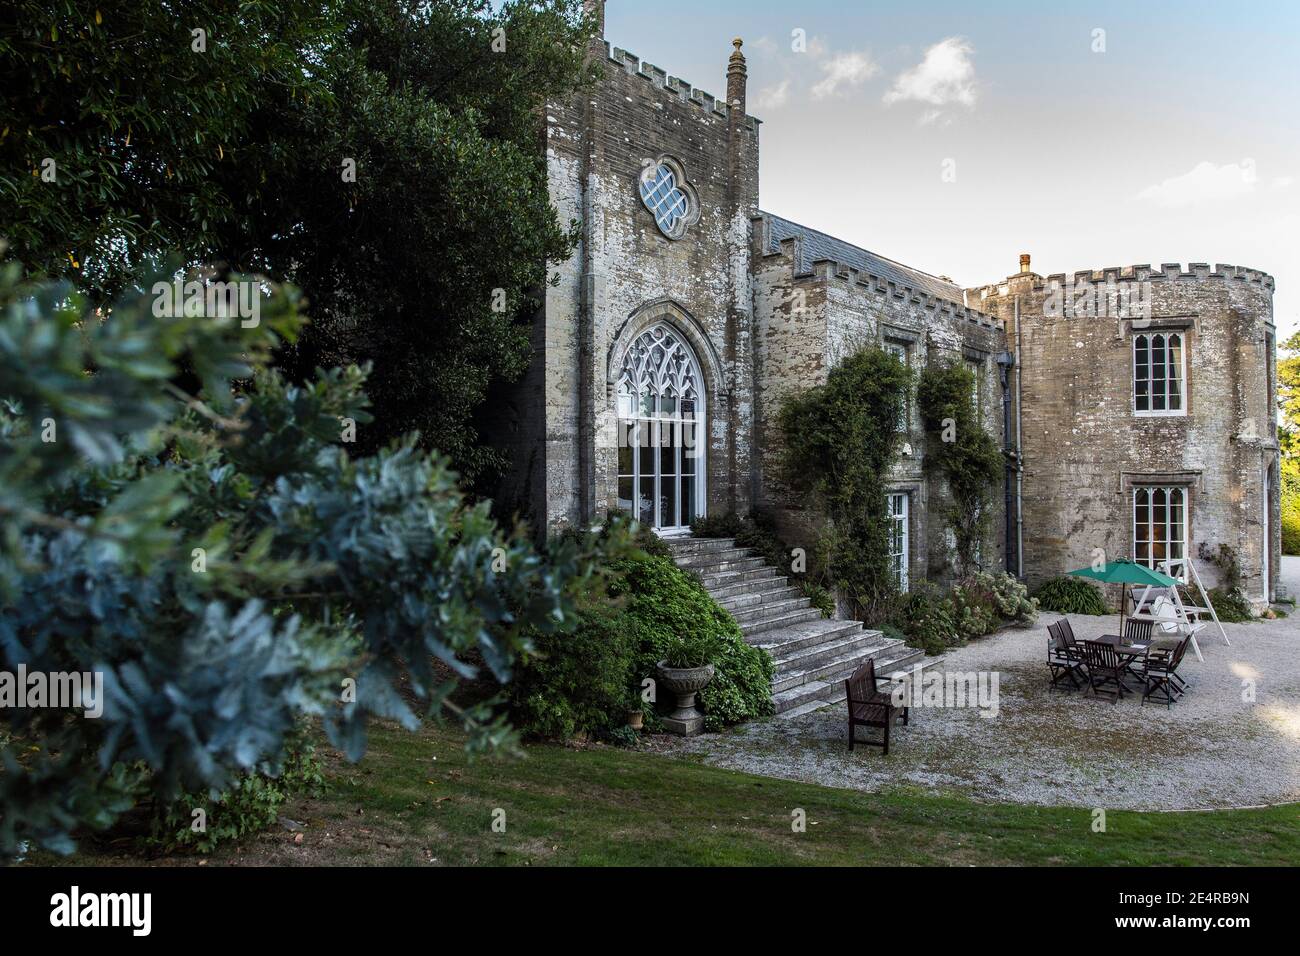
(869, 706)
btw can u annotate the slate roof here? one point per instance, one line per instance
(818, 245)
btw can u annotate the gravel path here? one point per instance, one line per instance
(1212, 749)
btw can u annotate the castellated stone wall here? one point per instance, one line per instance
(1086, 450)
(806, 324)
(626, 275)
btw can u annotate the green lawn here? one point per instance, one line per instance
(416, 799)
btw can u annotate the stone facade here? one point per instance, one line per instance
(761, 307)
(1087, 448)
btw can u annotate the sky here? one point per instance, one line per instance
(954, 136)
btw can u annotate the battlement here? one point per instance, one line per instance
(829, 270)
(1168, 271)
(633, 65)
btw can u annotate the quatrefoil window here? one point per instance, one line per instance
(669, 197)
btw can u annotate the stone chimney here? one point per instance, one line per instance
(736, 74)
(1024, 262)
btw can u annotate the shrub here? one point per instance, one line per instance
(973, 610)
(664, 602)
(686, 652)
(651, 611)
(252, 803)
(1070, 595)
(984, 600)
(1229, 601)
(384, 564)
(576, 683)
(927, 621)
(1290, 498)
(975, 607)
(1231, 605)
(1291, 527)
(818, 596)
(1010, 598)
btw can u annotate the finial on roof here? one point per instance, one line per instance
(736, 76)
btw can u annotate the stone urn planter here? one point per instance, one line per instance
(685, 682)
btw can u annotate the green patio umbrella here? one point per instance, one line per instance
(1126, 572)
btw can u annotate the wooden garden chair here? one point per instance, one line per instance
(1063, 660)
(1105, 666)
(1137, 631)
(1160, 671)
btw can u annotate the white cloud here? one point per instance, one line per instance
(773, 97)
(843, 70)
(944, 76)
(1205, 182)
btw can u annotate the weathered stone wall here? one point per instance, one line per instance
(1084, 447)
(806, 323)
(626, 275)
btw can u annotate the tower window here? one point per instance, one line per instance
(1159, 374)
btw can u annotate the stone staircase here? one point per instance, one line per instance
(813, 655)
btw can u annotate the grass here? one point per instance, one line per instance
(416, 799)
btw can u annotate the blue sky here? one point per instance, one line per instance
(1178, 142)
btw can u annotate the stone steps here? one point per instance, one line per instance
(780, 622)
(700, 560)
(749, 599)
(712, 581)
(813, 655)
(743, 586)
(829, 689)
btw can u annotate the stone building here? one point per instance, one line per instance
(688, 313)
(1145, 413)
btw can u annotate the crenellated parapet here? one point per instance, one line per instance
(864, 280)
(633, 65)
(1166, 272)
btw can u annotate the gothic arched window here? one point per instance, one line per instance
(660, 398)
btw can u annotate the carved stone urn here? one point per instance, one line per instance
(685, 682)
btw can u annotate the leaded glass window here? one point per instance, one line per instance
(1160, 528)
(660, 400)
(1158, 374)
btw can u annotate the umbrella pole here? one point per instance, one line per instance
(1123, 589)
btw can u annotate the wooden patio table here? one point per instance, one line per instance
(1130, 652)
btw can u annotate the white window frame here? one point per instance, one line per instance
(1173, 533)
(1149, 337)
(643, 380)
(899, 537)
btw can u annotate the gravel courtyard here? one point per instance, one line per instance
(1212, 749)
